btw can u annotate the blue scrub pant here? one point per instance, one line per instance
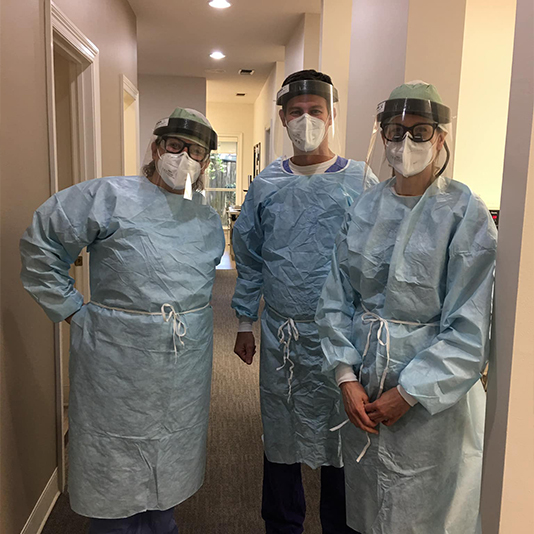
(150, 522)
(284, 507)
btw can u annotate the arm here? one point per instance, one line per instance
(247, 242)
(336, 308)
(334, 316)
(50, 246)
(445, 371)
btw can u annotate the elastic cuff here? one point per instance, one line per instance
(245, 324)
(345, 373)
(412, 401)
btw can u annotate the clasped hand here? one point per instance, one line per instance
(388, 409)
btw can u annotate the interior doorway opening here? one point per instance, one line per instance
(74, 154)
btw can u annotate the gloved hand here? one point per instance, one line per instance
(245, 346)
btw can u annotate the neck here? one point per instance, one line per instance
(156, 179)
(414, 185)
(321, 154)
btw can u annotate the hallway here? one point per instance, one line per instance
(230, 500)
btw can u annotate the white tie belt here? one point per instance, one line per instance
(179, 328)
(285, 337)
(371, 319)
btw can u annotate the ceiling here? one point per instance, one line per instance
(176, 37)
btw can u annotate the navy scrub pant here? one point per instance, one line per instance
(284, 507)
(150, 522)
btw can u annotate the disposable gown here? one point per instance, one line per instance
(138, 408)
(400, 261)
(283, 242)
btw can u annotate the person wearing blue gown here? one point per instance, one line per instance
(141, 348)
(404, 320)
(283, 241)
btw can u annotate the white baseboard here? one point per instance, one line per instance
(40, 513)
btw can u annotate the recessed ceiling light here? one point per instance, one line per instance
(217, 55)
(220, 4)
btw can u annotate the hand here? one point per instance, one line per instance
(388, 409)
(245, 346)
(355, 399)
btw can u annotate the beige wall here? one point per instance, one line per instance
(112, 27)
(232, 119)
(160, 95)
(334, 59)
(508, 473)
(484, 96)
(266, 115)
(376, 65)
(27, 387)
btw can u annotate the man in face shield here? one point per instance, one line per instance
(283, 241)
(141, 349)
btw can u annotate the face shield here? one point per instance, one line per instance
(179, 151)
(308, 111)
(409, 135)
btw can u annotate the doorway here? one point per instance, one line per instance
(74, 153)
(130, 128)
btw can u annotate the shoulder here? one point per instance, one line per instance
(476, 228)
(106, 185)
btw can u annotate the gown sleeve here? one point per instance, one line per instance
(336, 309)
(440, 375)
(247, 241)
(59, 231)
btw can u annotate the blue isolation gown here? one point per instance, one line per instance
(138, 408)
(283, 242)
(419, 269)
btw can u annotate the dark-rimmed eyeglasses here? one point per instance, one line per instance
(174, 145)
(419, 133)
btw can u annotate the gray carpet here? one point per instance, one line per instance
(230, 500)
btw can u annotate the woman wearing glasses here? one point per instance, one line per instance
(404, 319)
(141, 349)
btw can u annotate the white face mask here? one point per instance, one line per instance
(175, 169)
(306, 132)
(409, 158)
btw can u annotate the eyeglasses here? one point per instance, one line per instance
(175, 146)
(419, 133)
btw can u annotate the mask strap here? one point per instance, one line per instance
(442, 170)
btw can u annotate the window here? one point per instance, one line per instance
(222, 177)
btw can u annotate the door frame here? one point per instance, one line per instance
(131, 89)
(62, 33)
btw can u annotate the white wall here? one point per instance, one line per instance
(376, 65)
(160, 95)
(232, 119)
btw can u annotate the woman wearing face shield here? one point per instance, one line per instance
(404, 319)
(141, 349)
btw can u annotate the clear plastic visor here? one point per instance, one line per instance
(408, 144)
(307, 129)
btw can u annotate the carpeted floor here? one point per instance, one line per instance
(229, 502)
